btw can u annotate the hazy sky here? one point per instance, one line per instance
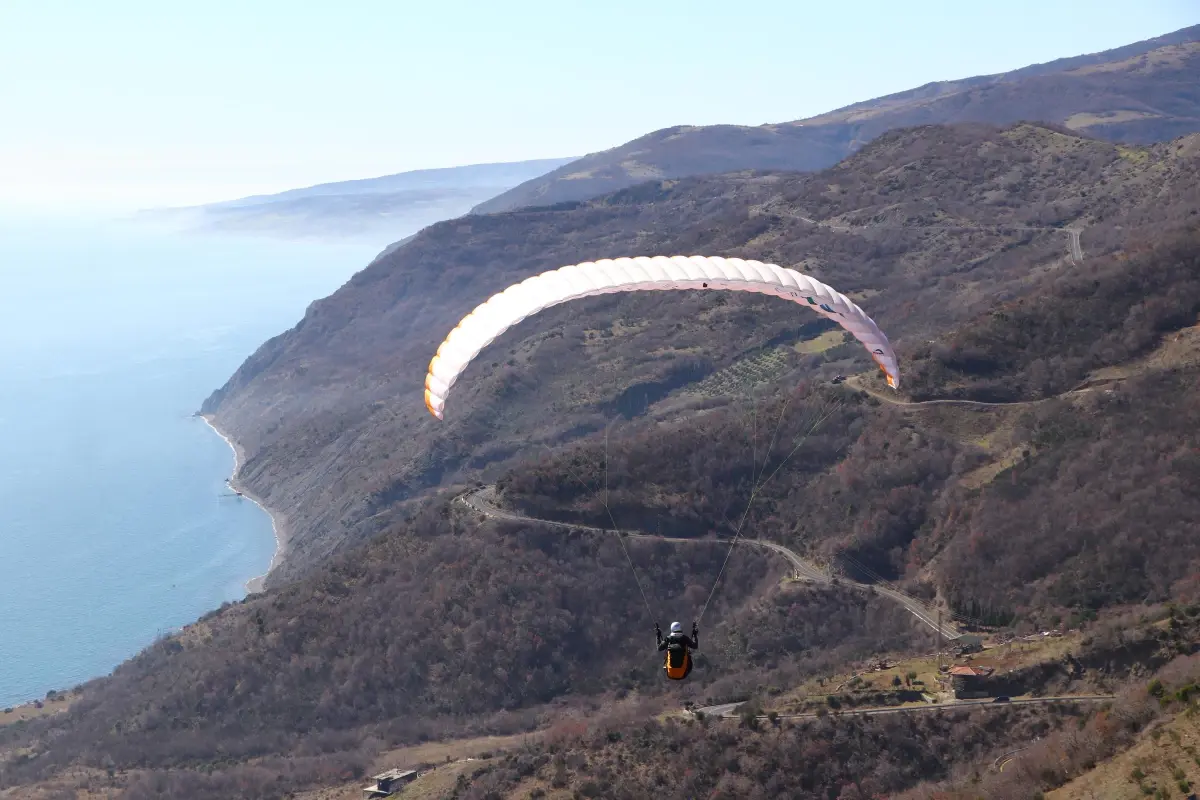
(123, 104)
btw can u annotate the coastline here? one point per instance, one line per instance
(254, 585)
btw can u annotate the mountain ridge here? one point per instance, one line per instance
(1146, 102)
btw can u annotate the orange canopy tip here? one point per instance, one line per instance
(429, 404)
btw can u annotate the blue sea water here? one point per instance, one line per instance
(113, 527)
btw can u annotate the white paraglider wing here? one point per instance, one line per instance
(490, 319)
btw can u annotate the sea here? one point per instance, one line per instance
(116, 526)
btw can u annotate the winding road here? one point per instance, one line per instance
(483, 501)
(856, 382)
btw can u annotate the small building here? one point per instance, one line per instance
(388, 782)
(966, 681)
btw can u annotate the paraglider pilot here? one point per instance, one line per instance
(678, 661)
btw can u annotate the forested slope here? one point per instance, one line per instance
(1045, 510)
(1052, 502)
(438, 628)
(926, 227)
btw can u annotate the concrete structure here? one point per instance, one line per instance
(388, 782)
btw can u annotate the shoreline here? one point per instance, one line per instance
(254, 585)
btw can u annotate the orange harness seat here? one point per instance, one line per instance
(680, 672)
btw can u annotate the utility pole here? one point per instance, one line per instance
(940, 643)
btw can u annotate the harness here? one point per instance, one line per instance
(678, 661)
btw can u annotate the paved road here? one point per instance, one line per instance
(483, 501)
(856, 382)
(1003, 761)
(1076, 248)
(728, 710)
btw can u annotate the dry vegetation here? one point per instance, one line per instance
(399, 621)
(440, 627)
(1028, 514)
(955, 754)
(439, 630)
(932, 219)
(1165, 762)
(1146, 712)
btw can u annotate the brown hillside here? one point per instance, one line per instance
(674, 153)
(1075, 514)
(1044, 512)
(438, 628)
(1143, 92)
(929, 226)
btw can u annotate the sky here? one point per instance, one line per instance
(122, 105)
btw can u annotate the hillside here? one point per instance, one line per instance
(1069, 508)
(932, 226)
(676, 152)
(440, 627)
(1006, 752)
(342, 675)
(1140, 93)
(1032, 511)
(391, 206)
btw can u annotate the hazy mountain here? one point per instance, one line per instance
(392, 206)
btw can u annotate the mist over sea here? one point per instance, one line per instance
(113, 527)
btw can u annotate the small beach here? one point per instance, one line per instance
(254, 585)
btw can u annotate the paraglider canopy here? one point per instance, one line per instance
(660, 273)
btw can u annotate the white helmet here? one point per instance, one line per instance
(676, 627)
